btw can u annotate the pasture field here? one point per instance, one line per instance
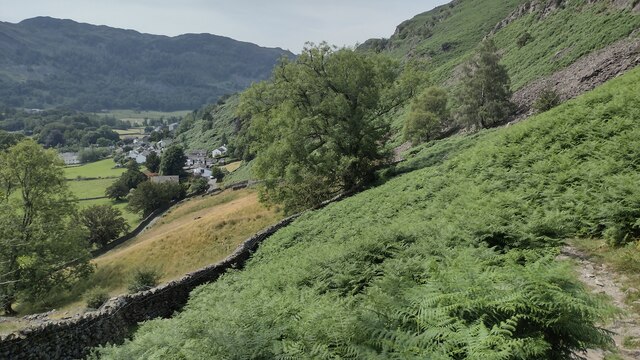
(242, 173)
(100, 169)
(132, 218)
(85, 189)
(137, 117)
(232, 166)
(197, 233)
(136, 132)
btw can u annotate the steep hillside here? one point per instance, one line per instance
(50, 62)
(211, 126)
(454, 259)
(536, 37)
(446, 34)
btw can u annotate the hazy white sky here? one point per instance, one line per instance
(274, 23)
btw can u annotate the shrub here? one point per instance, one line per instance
(143, 279)
(198, 185)
(547, 99)
(524, 39)
(96, 297)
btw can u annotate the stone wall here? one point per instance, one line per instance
(113, 322)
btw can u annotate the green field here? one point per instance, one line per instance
(95, 188)
(242, 173)
(136, 132)
(454, 254)
(137, 117)
(85, 189)
(99, 169)
(106, 174)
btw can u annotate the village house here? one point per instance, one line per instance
(139, 156)
(70, 158)
(197, 158)
(222, 150)
(203, 172)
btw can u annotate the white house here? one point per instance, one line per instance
(173, 127)
(139, 157)
(219, 151)
(70, 158)
(200, 171)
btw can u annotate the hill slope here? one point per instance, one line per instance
(572, 45)
(558, 32)
(50, 62)
(453, 260)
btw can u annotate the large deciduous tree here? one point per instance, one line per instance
(104, 223)
(38, 232)
(318, 126)
(484, 94)
(428, 115)
(153, 162)
(149, 196)
(173, 160)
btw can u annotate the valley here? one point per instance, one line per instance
(464, 189)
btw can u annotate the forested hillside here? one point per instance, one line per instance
(452, 260)
(46, 62)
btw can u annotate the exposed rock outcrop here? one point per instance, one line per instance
(583, 75)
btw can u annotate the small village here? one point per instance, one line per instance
(199, 162)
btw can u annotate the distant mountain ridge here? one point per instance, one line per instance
(46, 62)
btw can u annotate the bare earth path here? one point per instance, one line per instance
(600, 279)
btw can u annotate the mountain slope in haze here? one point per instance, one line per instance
(48, 62)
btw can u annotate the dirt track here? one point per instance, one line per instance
(601, 279)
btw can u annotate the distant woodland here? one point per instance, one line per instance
(46, 62)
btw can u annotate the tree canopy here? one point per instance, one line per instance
(318, 125)
(104, 223)
(153, 162)
(149, 196)
(129, 179)
(428, 115)
(38, 231)
(485, 93)
(172, 161)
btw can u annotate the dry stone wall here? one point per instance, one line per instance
(114, 321)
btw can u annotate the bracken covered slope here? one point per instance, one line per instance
(454, 259)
